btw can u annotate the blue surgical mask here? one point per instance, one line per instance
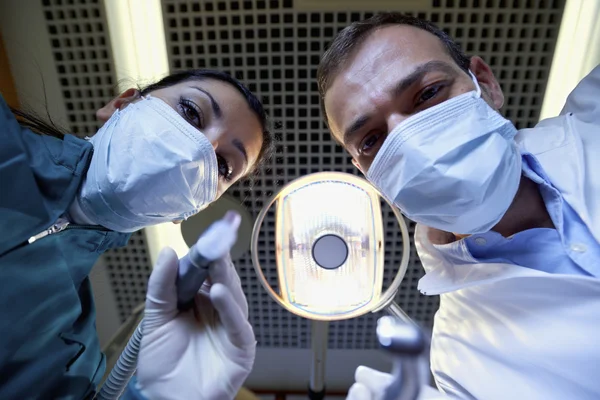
(454, 166)
(149, 166)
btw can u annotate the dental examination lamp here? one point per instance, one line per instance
(329, 253)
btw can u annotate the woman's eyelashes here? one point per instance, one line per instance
(225, 169)
(194, 115)
(191, 112)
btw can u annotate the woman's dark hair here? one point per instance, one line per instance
(37, 124)
(47, 127)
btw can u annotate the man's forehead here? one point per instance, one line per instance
(387, 54)
(403, 46)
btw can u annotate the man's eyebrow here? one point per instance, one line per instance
(355, 126)
(240, 146)
(215, 106)
(406, 82)
(420, 71)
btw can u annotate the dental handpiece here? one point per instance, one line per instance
(213, 244)
(193, 271)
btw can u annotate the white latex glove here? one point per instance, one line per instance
(204, 353)
(371, 384)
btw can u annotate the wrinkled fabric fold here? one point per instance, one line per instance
(454, 166)
(149, 166)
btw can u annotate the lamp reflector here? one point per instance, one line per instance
(330, 246)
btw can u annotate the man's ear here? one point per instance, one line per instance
(117, 103)
(489, 84)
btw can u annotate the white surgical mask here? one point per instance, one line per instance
(149, 166)
(454, 166)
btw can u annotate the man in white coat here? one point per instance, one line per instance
(508, 221)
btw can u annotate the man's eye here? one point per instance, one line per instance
(370, 143)
(429, 94)
(191, 112)
(225, 169)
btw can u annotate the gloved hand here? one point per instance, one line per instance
(371, 384)
(204, 353)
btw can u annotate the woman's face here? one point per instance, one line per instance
(220, 112)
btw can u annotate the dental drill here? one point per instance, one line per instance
(213, 244)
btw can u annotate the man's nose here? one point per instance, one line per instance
(393, 120)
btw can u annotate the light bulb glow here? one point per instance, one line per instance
(330, 207)
(577, 52)
(329, 247)
(138, 42)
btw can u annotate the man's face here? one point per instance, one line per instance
(397, 72)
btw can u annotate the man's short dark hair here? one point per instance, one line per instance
(350, 38)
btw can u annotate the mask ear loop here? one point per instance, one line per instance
(478, 90)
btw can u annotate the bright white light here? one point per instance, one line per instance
(319, 211)
(137, 40)
(385, 330)
(139, 53)
(322, 208)
(160, 236)
(577, 53)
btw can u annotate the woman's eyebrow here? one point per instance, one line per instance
(240, 146)
(215, 106)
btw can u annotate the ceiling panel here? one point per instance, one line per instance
(275, 48)
(81, 48)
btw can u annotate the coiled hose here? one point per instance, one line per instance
(124, 368)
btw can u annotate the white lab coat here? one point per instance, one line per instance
(510, 332)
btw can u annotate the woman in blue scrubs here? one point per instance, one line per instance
(164, 153)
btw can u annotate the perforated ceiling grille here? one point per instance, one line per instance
(128, 270)
(275, 49)
(81, 48)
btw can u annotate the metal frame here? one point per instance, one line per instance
(385, 298)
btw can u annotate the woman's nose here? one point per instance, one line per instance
(214, 137)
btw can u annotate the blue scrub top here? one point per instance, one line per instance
(49, 345)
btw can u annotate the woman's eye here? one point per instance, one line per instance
(191, 112)
(225, 169)
(369, 143)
